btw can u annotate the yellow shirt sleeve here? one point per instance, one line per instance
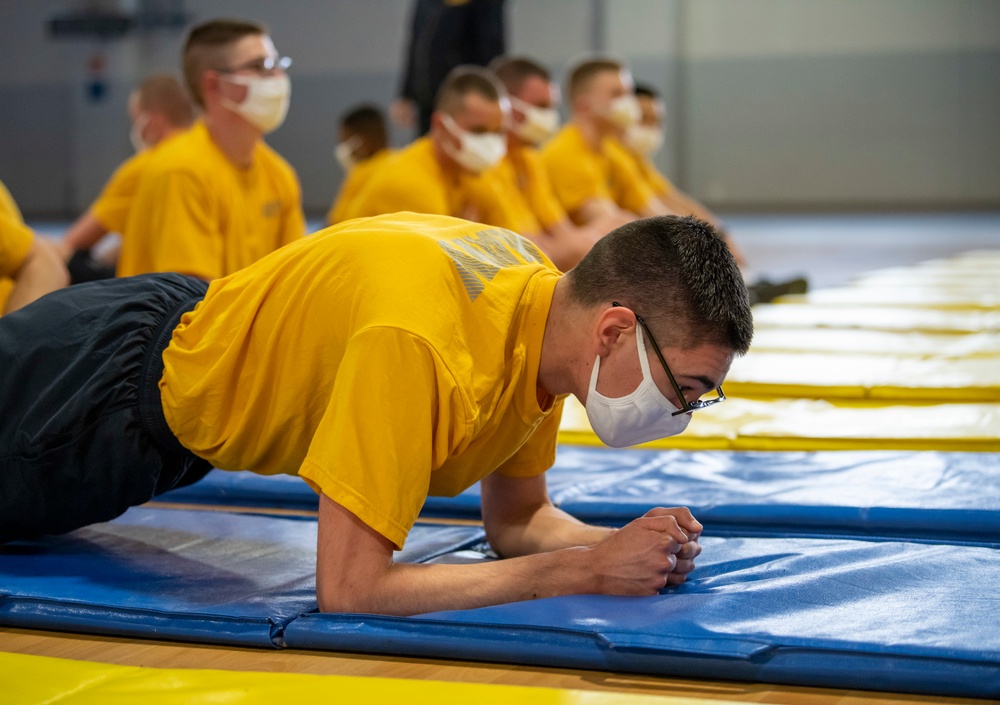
(540, 195)
(628, 187)
(394, 415)
(538, 453)
(173, 213)
(15, 243)
(112, 207)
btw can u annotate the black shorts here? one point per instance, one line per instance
(82, 432)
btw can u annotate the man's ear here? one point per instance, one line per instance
(441, 132)
(613, 323)
(209, 85)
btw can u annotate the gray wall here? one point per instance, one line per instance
(812, 104)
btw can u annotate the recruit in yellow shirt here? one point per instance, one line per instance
(413, 180)
(112, 206)
(382, 359)
(15, 242)
(197, 213)
(354, 183)
(580, 174)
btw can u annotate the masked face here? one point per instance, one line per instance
(476, 152)
(624, 111)
(135, 134)
(644, 139)
(266, 101)
(638, 417)
(344, 152)
(538, 125)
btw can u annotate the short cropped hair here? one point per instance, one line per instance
(583, 72)
(367, 121)
(205, 48)
(164, 94)
(466, 80)
(675, 272)
(644, 90)
(513, 71)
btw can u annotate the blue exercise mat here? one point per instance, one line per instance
(852, 614)
(932, 496)
(917, 495)
(843, 613)
(170, 574)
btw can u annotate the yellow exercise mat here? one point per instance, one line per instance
(876, 342)
(926, 297)
(811, 424)
(887, 318)
(952, 282)
(40, 679)
(847, 376)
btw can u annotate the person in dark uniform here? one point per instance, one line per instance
(445, 34)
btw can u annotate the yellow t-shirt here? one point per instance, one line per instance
(658, 183)
(354, 182)
(15, 243)
(413, 180)
(112, 205)
(197, 213)
(579, 174)
(523, 166)
(11, 242)
(382, 359)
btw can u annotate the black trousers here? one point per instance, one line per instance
(82, 432)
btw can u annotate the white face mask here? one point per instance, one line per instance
(266, 102)
(638, 417)
(624, 111)
(644, 139)
(477, 152)
(539, 123)
(135, 134)
(344, 152)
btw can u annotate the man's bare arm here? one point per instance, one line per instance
(596, 210)
(355, 571)
(86, 232)
(520, 519)
(41, 272)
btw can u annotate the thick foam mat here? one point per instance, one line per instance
(173, 574)
(837, 613)
(843, 613)
(42, 679)
(891, 318)
(813, 424)
(859, 376)
(876, 342)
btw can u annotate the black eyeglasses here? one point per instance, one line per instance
(263, 65)
(686, 406)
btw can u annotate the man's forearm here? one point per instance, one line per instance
(405, 589)
(547, 528)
